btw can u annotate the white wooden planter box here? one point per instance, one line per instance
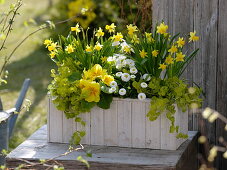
(125, 124)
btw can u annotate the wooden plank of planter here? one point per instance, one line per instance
(107, 158)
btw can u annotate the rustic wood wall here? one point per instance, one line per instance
(209, 19)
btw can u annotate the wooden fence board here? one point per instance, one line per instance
(221, 71)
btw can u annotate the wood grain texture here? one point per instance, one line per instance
(138, 124)
(110, 158)
(124, 120)
(55, 124)
(124, 124)
(111, 125)
(97, 126)
(221, 74)
(153, 131)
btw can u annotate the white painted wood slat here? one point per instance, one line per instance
(125, 124)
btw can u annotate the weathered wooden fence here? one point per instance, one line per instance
(209, 19)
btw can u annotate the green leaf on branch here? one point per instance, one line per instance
(105, 101)
(81, 159)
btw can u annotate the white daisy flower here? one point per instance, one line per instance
(110, 59)
(119, 74)
(143, 85)
(130, 62)
(141, 96)
(119, 66)
(133, 76)
(112, 89)
(122, 91)
(113, 84)
(121, 57)
(125, 77)
(133, 70)
(116, 43)
(146, 77)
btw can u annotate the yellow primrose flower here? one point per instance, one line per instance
(69, 49)
(162, 66)
(88, 48)
(155, 53)
(103, 59)
(47, 42)
(98, 47)
(118, 37)
(99, 33)
(180, 57)
(173, 49)
(131, 29)
(52, 46)
(193, 36)
(180, 42)
(76, 28)
(52, 54)
(107, 79)
(169, 60)
(162, 28)
(94, 72)
(143, 54)
(110, 28)
(90, 91)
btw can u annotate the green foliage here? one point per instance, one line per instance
(81, 159)
(105, 101)
(165, 94)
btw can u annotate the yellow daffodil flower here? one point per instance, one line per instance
(118, 37)
(173, 49)
(103, 59)
(193, 36)
(88, 48)
(99, 33)
(47, 42)
(127, 49)
(162, 28)
(76, 28)
(98, 47)
(52, 46)
(155, 53)
(162, 66)
(131, 29)
(149, 37)
(135, 39)
(143, 54)
(90, 90)
(169, 60)
(180, 57)
(69, 49)
(107, 79)
(180, 42)
(52, 54)
(110, 28)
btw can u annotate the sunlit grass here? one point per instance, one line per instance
(30, 61)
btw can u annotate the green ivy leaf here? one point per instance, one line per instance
(105, 101)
